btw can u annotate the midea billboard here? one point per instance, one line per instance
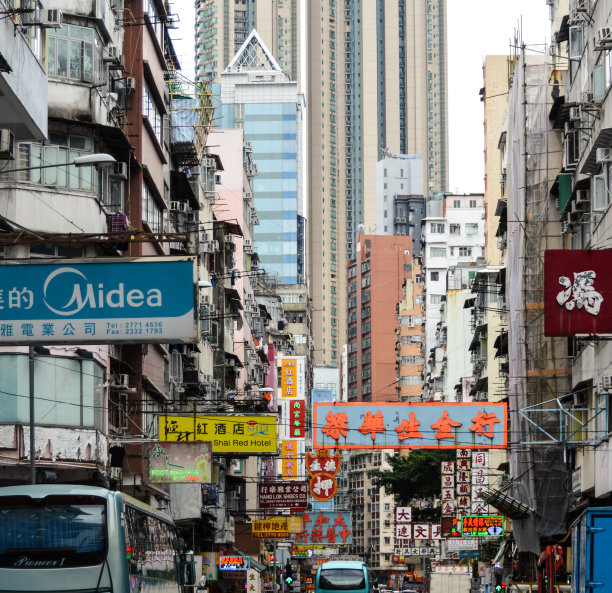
(97, 301)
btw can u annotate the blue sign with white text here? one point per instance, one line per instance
(97, 301)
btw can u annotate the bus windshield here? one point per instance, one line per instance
(52, 532)
(342, 579)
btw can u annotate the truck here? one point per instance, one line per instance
(449, 582)
(592, 550)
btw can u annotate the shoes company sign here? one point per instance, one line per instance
(97, 301)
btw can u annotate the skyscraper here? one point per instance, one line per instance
(257, 96)
(222, 27)
(377, 80)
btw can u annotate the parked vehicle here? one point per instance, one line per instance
(82, 538)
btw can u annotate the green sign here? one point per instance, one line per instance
(482, 526)
(188, 463)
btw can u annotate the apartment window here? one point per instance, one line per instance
(152, 113)
(151, 212)
(473, 204)
(437, 251)
(63, 148)
(455, 229)
(434, 276)
(465, 251)
(436, 227)
(456, 203)
(74, 53)
(155, 20)
(471, 228)
(435, 299)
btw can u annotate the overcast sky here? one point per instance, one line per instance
(476, 28)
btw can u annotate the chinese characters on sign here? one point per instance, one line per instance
(289, 462)
(97, 301)
(294, 416)
(227, 434)
(279, 495)
(323, 468)
(180, 462)
(577, 290)
(297, 416)
(292, 379)
(326, 528)
(469, 425)
(482, 526)
(276, 527)
(234, 562)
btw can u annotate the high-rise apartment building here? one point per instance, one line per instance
(376, 279)
(257, 96)
(222, 27)
(377, 81)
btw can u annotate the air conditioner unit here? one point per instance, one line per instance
(119, 170)
(205, 299)
(582, 196)
(112, 53)
(206, 247)
(229, 238)
(7, 145)
(175, 205)
(584, 97)
(575, 113)
(214, 246)
(130, 83)
(604, 36)
(603, 155)
(51, 18)
(207, 379)
(122, 381)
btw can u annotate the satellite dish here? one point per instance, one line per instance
(360, 228)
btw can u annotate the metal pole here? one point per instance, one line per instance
(32, 440)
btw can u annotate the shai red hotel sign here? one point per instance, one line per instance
(577, 292)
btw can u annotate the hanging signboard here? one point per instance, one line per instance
(326, 528)
(482, 526)
(282, 495)
(97, 301)
(577, 292)
(227, 434)
(180, 463)
(466, 425)
(234, 563)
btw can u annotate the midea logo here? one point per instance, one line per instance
(84, 293)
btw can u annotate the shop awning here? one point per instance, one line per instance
(480, 331)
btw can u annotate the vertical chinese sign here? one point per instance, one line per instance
(293, 406)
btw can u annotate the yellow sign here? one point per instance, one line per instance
(271, 528)
(289, 468)
(289, 377)
(227, 434)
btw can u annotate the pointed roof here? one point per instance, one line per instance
(253, 56)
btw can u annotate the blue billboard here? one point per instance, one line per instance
(97, 301)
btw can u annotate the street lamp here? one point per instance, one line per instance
(86, 160)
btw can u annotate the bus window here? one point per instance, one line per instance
(52, 532)
(342, 579)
